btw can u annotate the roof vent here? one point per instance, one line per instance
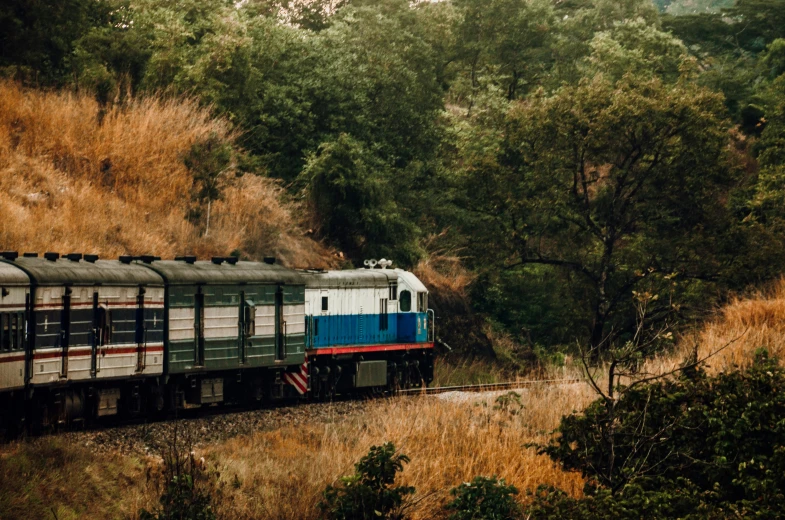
(149, 259)
(218, 260)
(126, 259)
(187, 259)
(74, 257)
(10, 255)
(51, 256)
(90, 258)
(30, 255)
(232, 260)
(270, 260)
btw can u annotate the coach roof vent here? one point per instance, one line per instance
(149, 259)
(218, 260)
(30, 255)
(188, 259)
(74, 257)
(51, 256)
(90, 258)
(232, 260)
(10, 255)
(126, 259)
(269, 260)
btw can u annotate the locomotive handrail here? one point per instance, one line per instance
(431, 325)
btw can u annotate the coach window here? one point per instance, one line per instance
(406, 301)
(15, 331)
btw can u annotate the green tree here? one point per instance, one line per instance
(610, 184)
(209, 161)
(351, 195)
(38, 38)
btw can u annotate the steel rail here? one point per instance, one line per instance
(488, 387)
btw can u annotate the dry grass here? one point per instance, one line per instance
(281, 474)
(71, 183)
(49, 478)
(741, 327)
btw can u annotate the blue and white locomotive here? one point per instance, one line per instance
(82, 337)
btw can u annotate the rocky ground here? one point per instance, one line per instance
(207, 428)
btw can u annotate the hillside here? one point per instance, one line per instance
(77, 178)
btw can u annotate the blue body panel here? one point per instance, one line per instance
(365, 329)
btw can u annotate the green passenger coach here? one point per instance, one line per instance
(232, 328)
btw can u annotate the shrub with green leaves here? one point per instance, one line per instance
(697, 446)
(370, 493)
(484, 498)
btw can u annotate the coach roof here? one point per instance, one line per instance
(181, 272)
(10, 275)
(82, 272)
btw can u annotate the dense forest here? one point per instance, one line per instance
(574, 156)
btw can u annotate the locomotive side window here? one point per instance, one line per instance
(383, 320)
(406, 301)
(393, 291)
(324, 303)
(422, 302)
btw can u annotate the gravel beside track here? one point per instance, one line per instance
(201, 429)
(214, 425)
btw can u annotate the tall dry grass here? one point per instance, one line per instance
(730, 339)
(73, 178)
(282, 474)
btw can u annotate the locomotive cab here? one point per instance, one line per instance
(414, 323)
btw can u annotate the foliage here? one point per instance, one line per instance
(607, 182)
(369, 493)
(188, 488)
(208, 162)
(484, 498)
(352, 198)
(698, 443)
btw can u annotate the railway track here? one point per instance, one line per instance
(489, 387)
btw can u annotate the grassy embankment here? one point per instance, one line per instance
(74, 179)
(281, 474)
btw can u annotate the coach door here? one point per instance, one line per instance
(65, 332)
(280, 326)
(141, 333)
(95, 336)
(199, 327)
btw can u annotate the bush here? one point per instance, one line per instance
(187, 488)
(687, 447)
(369, 493)
(484, 498)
